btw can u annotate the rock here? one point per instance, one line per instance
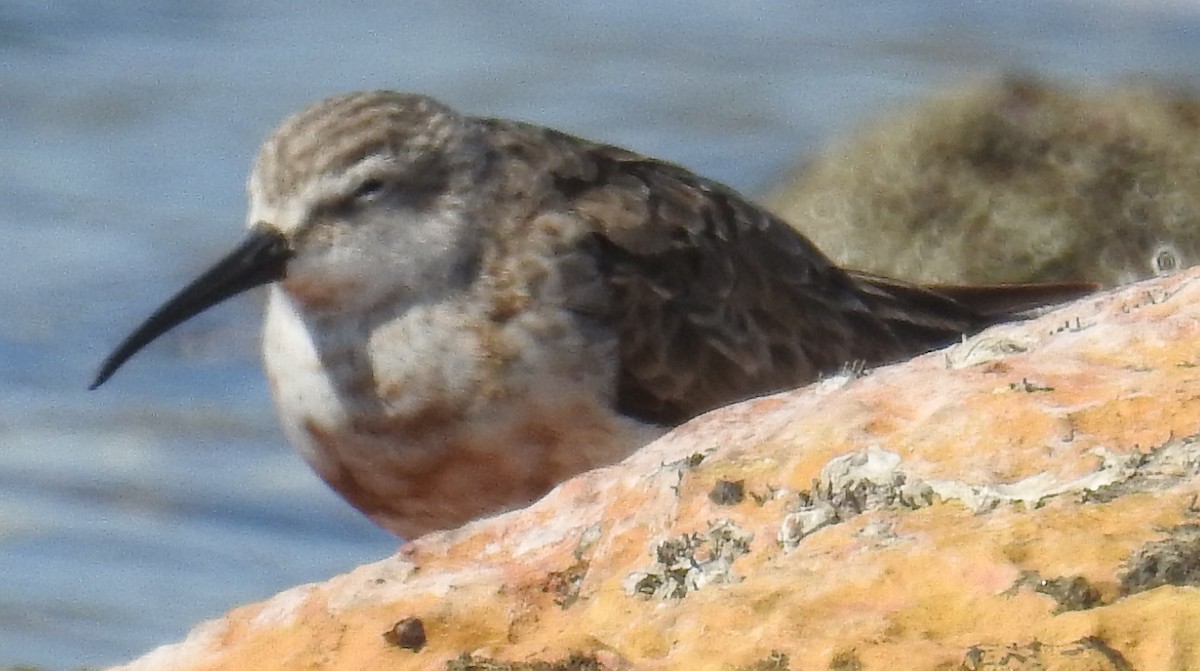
(1023, 500)
(1010, 181)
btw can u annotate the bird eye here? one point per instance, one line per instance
(369, 189)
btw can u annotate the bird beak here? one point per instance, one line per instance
(260, 258)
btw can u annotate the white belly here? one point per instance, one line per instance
(440, 416)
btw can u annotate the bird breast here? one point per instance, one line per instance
(441, 398)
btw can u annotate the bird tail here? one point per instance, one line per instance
(1004, 301)
(925, 315)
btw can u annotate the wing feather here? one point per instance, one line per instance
(712, 298)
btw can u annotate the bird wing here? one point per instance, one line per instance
(714, 299)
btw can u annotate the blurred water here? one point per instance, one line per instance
(129, 514)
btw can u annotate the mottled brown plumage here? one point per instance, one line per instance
(715, 299)
(467, 311)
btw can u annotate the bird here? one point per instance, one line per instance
(465, 311)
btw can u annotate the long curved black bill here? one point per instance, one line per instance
(260, 258)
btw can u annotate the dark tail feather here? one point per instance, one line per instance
(1006, 300)
(926, 317)
(994, 301)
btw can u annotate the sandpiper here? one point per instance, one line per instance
(465, 311)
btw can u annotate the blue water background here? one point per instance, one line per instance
(129, 514)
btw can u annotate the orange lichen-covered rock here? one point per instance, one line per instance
(1023, 500)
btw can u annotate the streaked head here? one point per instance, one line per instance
(358, 199)
(355, 148)
(366, 187)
